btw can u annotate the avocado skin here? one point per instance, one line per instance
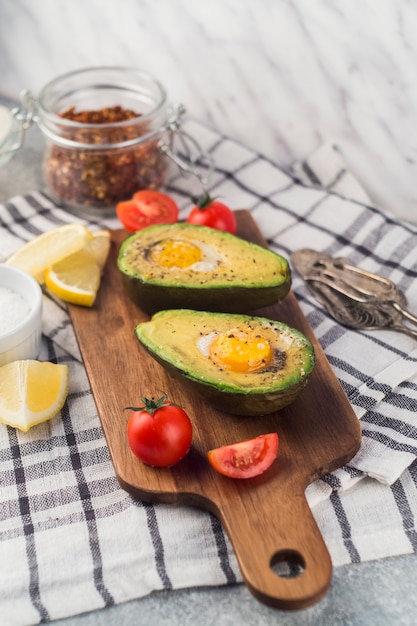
(245, 402)
(153, 298)
(246, 405)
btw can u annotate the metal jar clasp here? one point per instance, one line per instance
(15, 122)
(189, 156)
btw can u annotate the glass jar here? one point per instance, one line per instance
(109, 132)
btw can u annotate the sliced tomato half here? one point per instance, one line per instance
(245, 459)
(147, 207)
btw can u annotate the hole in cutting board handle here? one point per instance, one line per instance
(287, 564)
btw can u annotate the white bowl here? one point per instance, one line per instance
(23, 340)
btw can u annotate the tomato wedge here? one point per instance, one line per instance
(245, 459)
(147, 207)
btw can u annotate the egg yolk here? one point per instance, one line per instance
(175, 253)
(241, 350)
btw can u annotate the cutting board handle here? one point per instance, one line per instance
(277, 535)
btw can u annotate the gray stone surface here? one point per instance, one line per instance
(380, 593)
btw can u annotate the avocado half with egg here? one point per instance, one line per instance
(170, 266)
(242, 364)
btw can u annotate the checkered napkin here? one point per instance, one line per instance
(71, 540)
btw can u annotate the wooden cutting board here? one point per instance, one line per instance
(267, 518)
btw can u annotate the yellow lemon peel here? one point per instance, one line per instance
(32, 392)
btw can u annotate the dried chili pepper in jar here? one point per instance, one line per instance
(103, 128)
(103, 177)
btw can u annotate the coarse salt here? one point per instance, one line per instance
(13, 309)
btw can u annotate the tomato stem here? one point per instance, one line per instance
(204, 201)
(151, 405)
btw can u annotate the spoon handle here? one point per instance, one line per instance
(406, 314)
(404, 329)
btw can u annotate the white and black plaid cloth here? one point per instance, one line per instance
(71, 540)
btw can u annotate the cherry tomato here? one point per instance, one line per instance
(145, 208)
(245, 459)
(212, 213)
(159, 433)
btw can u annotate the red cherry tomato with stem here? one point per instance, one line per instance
(245, 459)
(210, 212)
(159, 432)
(147, 207)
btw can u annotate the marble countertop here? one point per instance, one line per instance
(283, 77)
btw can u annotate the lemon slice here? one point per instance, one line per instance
(32, 392)
(49, 248)
(75, 279)
(99, 247)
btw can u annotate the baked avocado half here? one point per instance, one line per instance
(242, 364)
(170, 266)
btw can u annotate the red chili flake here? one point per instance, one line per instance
(102, 178)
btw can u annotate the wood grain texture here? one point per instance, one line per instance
(267, 518)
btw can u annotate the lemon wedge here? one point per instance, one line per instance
(75, 279)
(49, 248)
(32, 392)
(99, 247)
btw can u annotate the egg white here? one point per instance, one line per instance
(210, 260)
(204, 343)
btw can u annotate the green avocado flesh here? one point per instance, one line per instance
(170, 266)
(182, 341)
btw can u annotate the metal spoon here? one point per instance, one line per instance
(354, 297)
